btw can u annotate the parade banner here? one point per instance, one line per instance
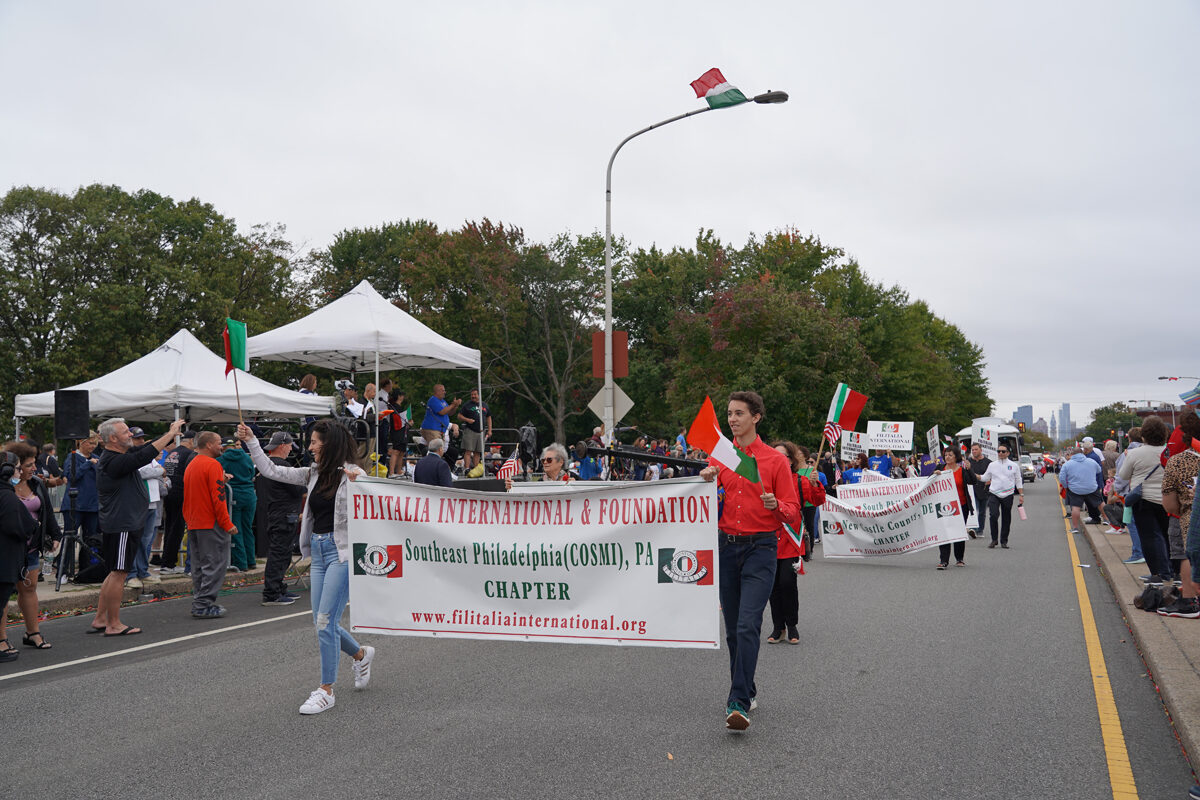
(582, 562)
(892, 517)
(934, 441)
(890, 435)
(853, 444)
(987, 437)
(870, 476)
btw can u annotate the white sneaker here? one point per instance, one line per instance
(362, 669)
(134, 583)
(753, 703)
(1114, 531)
(318, 701)
(151, 578)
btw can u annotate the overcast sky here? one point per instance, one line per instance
(1030, 169)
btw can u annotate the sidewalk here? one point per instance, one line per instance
(80, 598)
(1169, 646)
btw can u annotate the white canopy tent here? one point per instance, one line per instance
(184, 378)
(360, 330)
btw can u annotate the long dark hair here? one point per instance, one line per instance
(337, 448)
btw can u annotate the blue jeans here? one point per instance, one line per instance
(1193, 541)
(747, 578)
(141, 560)
(1134, 539)
(330, 592)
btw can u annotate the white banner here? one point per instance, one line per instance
(852, 445)
(987, 437)
(587, 563)
(891, 517)
(934, 441)
(890, 435)
(871, 476)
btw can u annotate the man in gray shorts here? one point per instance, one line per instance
(476, 419)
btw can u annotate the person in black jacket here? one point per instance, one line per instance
(33, 494)
(283, 502)
(432, 469)
(173, 528)
(124, 504)
(17, 527)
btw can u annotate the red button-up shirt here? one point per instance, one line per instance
(744, 512)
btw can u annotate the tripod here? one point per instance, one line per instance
(71, 535)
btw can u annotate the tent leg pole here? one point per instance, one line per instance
(17, 424)
(482, 426)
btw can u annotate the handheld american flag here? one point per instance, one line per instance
(508, 468)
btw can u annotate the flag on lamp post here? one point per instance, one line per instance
(235, 346)
(719, 92)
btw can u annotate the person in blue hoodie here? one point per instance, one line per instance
(1081, 476)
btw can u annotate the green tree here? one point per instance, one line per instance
(96, 279)
(1109, 419)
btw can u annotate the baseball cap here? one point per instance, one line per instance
(280, 438)
(187, 435)
(228, 441)
(1089, 440)
(137, 432)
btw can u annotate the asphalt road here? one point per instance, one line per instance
(909, 683)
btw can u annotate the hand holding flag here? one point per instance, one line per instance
(235, 355)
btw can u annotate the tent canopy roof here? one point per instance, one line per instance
(348, 332)
(181, 373)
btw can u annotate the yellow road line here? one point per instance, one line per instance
(1120, 774)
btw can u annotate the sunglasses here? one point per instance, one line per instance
(1002, 451)
(549, 460)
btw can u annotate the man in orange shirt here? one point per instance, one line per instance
(210, 528)
(751, 514)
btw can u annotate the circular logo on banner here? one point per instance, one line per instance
(684, 567)
(375, 561)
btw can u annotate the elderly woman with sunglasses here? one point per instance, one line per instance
(554, 465)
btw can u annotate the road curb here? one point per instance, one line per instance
(1170, 647)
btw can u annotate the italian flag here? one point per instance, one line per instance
(719, 92)
(706, 434)
(235, 346)
(845, 407)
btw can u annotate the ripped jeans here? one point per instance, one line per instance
(330, 591)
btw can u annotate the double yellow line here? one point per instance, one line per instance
(1120, 774)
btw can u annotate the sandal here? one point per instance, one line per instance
(27, 639)
(775, 637)
(7, 651)
(959, 564)
(793, 635)
(943, 565)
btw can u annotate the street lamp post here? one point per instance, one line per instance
(767, 98)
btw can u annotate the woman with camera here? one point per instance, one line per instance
(33, 495)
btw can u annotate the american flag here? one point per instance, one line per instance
(508, 468)
(833, 433)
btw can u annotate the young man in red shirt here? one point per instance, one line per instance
(751, 514)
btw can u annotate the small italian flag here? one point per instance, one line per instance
(719, 92)
(706, 434)
(845, 407)
(235, 346)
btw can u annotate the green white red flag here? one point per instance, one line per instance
(719, 92)
(844, 409)
(235, 346)
(706, 434)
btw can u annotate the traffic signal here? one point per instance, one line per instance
(1021, 427)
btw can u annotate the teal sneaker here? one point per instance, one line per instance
(736, 719)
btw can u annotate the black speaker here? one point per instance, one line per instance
(71, 415)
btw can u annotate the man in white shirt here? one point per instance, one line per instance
(1003, 478)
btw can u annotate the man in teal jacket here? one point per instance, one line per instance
(237, 464)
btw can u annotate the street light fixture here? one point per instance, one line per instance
(609, 404)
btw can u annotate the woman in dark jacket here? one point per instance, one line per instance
(16, 528)
(33, 495)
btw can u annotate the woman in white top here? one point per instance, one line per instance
(324, 537)
(1143, 467)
